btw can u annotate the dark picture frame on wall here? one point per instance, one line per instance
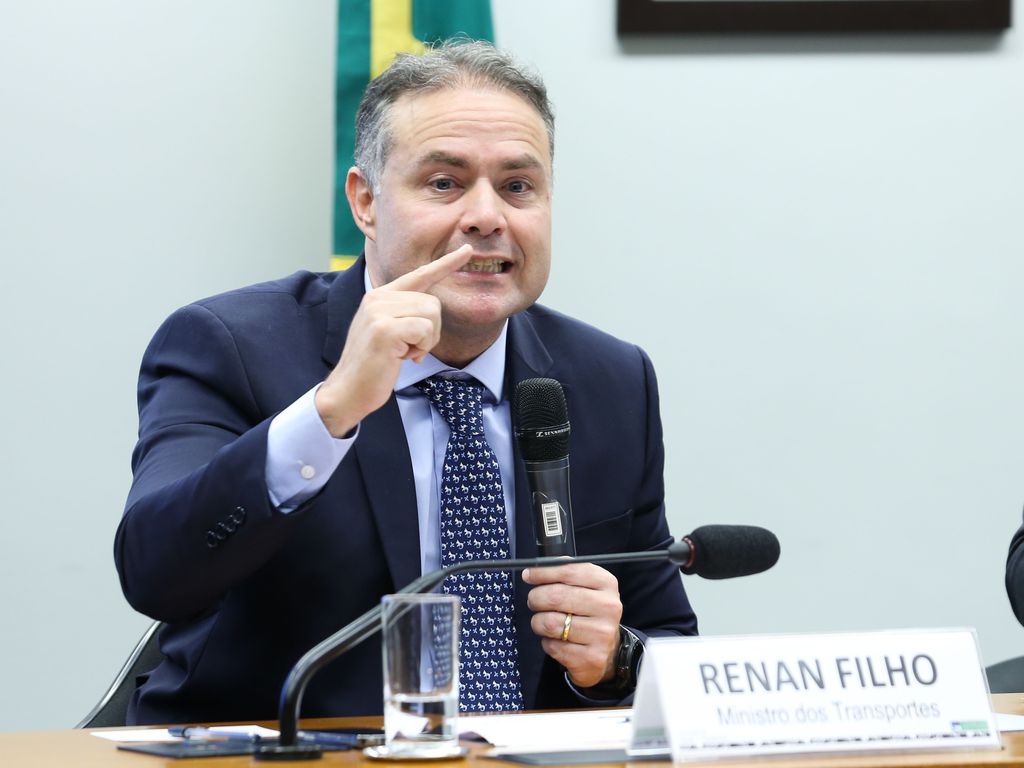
(660, 17)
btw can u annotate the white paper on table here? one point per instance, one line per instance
(150, 735)
(1009, 722)
(587, 729)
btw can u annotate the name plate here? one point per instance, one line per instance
(710, 697)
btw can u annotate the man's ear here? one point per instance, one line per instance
(361, 202)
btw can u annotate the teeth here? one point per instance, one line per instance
(484, 265)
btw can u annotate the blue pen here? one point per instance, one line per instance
(197, 733)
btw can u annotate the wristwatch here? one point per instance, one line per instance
(627, 661)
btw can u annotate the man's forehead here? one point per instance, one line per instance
(450, 112)
(460, 94)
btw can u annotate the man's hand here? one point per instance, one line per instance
(395, 322)
(591, 595)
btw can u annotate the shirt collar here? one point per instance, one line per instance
(488, 368)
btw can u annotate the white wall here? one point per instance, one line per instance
(817, 240)
(150, 153)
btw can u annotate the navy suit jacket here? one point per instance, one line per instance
(246, 590)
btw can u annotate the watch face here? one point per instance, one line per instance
(627, 660)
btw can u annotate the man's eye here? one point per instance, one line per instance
(442, 185)
(518, 187)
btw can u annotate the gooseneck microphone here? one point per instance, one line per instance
(712, 551)
(729, 551)
(542, 431)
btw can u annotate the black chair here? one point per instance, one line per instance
(112, 709)
(1006, 676)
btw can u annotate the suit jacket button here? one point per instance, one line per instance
(211, 540)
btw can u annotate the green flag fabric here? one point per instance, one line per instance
(370, 33)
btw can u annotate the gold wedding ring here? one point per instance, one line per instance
(566, 626)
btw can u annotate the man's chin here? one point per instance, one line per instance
(476, 318)
(478, 307)
(471, 323)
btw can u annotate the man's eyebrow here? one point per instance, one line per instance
(443, 158)
(524, 162)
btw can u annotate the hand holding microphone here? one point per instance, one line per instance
(576, 607)
(576, 613)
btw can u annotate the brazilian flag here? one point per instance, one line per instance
(370, 33)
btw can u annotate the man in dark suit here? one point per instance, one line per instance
(288, 467)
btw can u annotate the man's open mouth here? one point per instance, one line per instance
(493, 266)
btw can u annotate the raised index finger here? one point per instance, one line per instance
(423, 278)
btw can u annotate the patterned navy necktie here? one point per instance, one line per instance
(474, 527)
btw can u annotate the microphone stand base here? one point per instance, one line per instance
(282, 753)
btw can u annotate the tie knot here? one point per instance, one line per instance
(459, 401)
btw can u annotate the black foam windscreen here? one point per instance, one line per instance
(541, 420)
(728, 551)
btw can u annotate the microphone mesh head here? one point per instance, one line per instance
(541, 420)
(728, 551)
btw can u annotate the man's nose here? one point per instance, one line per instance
(484, 211)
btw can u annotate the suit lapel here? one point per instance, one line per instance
(383, 455)
(342, 302)
(382, 450)
(526, 358)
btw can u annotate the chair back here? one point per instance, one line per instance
(1006, 676)
(112, 708)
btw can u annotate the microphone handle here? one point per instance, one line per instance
(368, 624)
(552, 506)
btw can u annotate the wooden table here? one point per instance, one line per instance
(79, 748)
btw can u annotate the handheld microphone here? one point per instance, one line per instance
(711, 551)
(542, 431)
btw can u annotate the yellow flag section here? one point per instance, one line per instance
(390, 33)
(370, 34)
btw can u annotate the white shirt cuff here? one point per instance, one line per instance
(301, 454)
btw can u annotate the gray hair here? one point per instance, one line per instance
(452, 64)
